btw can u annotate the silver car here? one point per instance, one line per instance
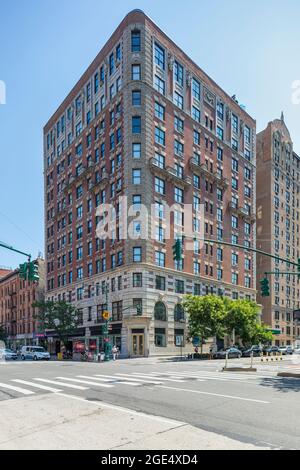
(36, 353)
(8, 355)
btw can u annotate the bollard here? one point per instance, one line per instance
(226, 362)
(252, 355)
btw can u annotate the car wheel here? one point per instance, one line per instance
(34, 358)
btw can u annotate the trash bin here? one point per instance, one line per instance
(59, 356)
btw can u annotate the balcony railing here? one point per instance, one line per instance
(169, 173)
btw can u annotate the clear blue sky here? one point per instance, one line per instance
(250, 48)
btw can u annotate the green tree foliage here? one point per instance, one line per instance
(217, 316)
(3, 334)
(60, 317)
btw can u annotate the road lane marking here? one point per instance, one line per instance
(214, 394)
(34, 385)
(143, 376)
(23, 391)
(62, 384)
(85, 382)
(115, 381)
(129, 377)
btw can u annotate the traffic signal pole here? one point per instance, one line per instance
(7, 247)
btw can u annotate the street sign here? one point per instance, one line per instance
(196, 341)
(106, 315)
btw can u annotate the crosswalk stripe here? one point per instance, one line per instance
(62, 384)
(128, 377)
(85, 382)
(34, 385)
(112, 380)
(149, 377)
(23, 391)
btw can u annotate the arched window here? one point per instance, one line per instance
(179, 313)
(160, 312)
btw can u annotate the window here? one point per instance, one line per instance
(136, 98)
(235, 165)
(179, 124)
(160, 338)
(179, 195)
(160, 160)
(234, 279)
(136, 176)
(235, 183)
(220, 111)
(235, 124)
(178, 100)
(178, 148)
(159, 56)
(196, 138)
(196, 89)
(160, 186)
(178, 73)
(235, 145)
(136, 125)
(136, 151)
(179, 313)
(160, 136)
(137, 279)
(111, 64)
(220, 154)
(135, 41)
(220, 133)
(136, 72)
(247, 135)
(196, 114)
(137, 254)
(159, 85)
(179, 286)
(160, 312)
(159, 111)
(160, 259)
(160, 283)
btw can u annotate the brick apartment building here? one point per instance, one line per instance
(278, 196)
(16, 311)
(145, 122)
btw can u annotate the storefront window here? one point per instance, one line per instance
(160, 337)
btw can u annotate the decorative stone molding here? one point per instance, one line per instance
(209, 97)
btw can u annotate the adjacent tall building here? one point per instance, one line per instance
(145, 122)
(278, 197)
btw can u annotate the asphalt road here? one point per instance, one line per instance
(256, 408)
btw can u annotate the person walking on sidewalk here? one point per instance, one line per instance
(114, 352)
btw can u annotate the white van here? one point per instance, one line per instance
(36, 353)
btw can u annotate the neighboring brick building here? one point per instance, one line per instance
(278, 196)
(146, 122)
(16, 311)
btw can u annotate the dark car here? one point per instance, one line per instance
(255, 350)
(272, 350)
(233, 353)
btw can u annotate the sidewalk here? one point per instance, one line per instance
(63, 422)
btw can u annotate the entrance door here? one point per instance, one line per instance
(138, 345)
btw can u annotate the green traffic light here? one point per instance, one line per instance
(265, 287)
(178, 251)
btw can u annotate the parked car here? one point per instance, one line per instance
(36, 353)
(233, 353)
(8, 355)
(255, 350)
(271, 350)
(297, 351)
(286, 350)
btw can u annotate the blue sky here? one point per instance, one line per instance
(251, 49)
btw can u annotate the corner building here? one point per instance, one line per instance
(278, 189)
(146, 122)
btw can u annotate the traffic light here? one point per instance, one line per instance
(298, 269)
(23, 271)
(33, 269)
(178, 251)
(265, 287)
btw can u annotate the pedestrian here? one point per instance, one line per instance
(114, 352)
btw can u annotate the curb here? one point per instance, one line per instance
(239, 369)
(294, 375)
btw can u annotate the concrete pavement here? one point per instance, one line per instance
(210, 409)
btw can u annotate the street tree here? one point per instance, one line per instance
(60, 317)
(206, 316)
(3, 333)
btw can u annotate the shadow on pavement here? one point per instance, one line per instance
(282, 384)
